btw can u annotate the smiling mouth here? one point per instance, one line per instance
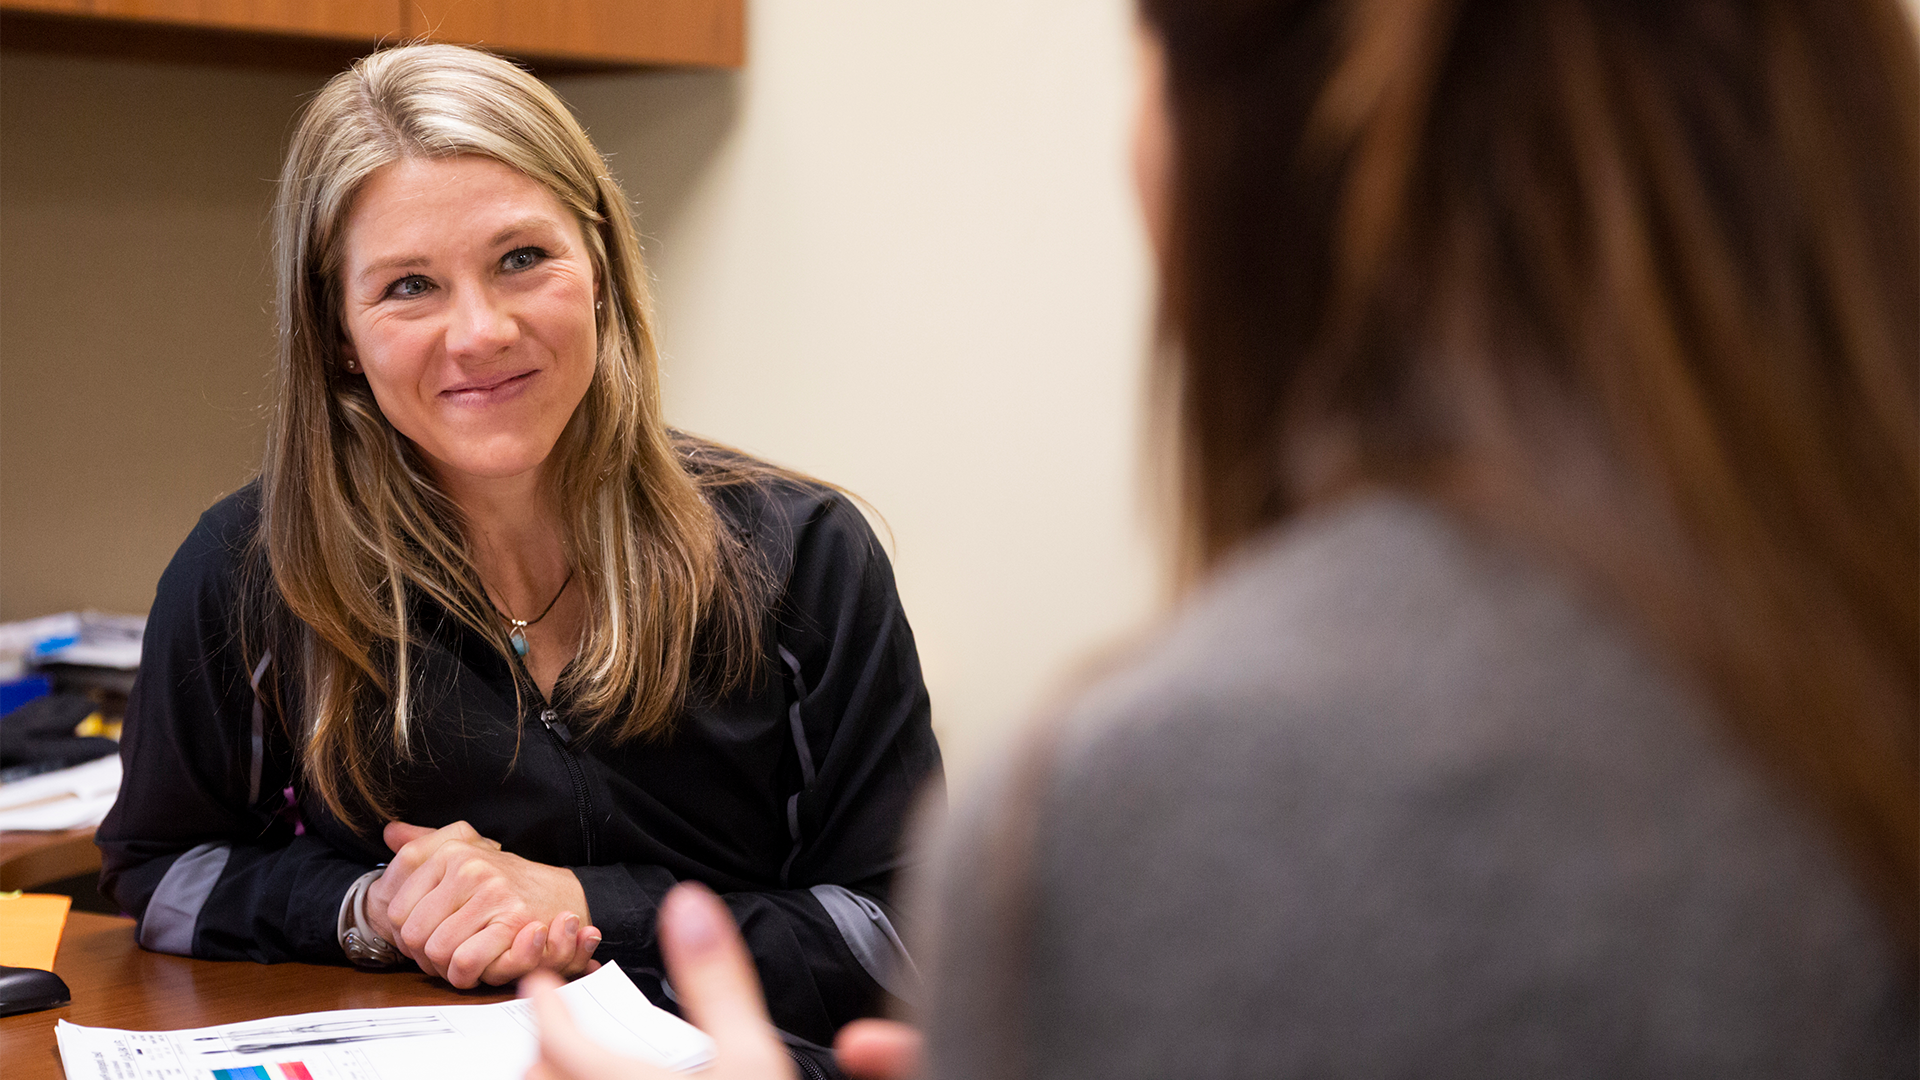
(483, 390)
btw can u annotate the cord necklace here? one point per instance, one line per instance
(517, 636)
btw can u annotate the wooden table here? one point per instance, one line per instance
(117, 984)
(31, 859)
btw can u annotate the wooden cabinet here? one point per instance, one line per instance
(70, 7)
(554, 34)
(707, 32)
(331, 18)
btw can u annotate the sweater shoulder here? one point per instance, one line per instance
(1380, 726)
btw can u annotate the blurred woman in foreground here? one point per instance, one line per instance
(1545, 384)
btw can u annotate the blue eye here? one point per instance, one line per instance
(410, 286)
(521, 258)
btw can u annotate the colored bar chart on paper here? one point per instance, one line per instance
(285, 1070)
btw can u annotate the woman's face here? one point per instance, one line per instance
(469, 298)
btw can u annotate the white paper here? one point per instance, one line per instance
(63, 799)
(121, 655)
(97, 639)
(22, 636)
(475, 1042)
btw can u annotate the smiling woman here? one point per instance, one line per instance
(469, 307)
(488, 658)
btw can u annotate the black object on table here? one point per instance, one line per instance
(30, 990)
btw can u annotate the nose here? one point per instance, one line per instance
(479, 326)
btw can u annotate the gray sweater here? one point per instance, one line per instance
(1387, 801)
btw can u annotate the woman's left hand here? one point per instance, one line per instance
(467, 911)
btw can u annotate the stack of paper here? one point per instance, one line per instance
(65, 799)
(475, 1042)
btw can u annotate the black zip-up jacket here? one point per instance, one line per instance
(786, 797)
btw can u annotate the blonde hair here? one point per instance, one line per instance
(352, 524)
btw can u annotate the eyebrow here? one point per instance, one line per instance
(524, 225)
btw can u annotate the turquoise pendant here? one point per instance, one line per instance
(519, 641)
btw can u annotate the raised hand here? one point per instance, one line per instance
(467, 911)
(878, 1050)
(718, 989)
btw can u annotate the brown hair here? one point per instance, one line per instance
(1634, 281)
(353, 525)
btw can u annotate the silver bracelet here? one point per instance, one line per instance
(357, 938)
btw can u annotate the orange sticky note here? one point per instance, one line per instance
(30, 926)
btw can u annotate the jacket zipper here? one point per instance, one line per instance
(581, 804)
(807, 1068)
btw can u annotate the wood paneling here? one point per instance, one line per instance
(117, 984)
(335, 18)
(692, 32)
(57, 7)
(554, 34)
(23, 31)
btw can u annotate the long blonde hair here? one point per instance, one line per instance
(353, 526)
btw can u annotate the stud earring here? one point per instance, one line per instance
(353, 366)
(597, 305)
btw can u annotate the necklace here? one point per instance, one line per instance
(517, 636)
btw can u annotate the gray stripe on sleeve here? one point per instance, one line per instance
(869, 934)
(259, 732)
(171, 915)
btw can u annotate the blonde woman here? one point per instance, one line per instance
(488, 659)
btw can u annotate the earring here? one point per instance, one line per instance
(597, 305)
(353, 366)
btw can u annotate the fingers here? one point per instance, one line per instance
(716, 983)
(563, 945)
(569, 951)
(483, 909)
(562, 951)
(462, 910)
(413, 845)
(567, 947)
(878, 1050)
(523, 956)
(583, 962)
(399, 834)
(414, 872)
(476, 954)
(449, 898)
(566, 1053)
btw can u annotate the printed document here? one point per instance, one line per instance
(478, 1042)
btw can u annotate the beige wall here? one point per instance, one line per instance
(899, 251)
(896, 251)
(133, 330)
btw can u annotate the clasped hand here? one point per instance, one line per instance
(456, 904)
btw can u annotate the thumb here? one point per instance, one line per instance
(714, 977)
(878, 1050)
(399, 834)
